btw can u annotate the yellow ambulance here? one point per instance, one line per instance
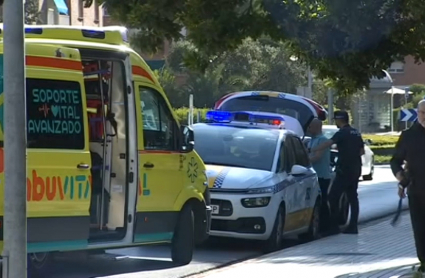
(108, 164)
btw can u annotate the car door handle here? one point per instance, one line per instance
(148, 165)
(83, 166)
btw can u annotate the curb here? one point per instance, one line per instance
(203, 273)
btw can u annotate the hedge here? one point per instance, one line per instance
(183, 112)
(381, 140)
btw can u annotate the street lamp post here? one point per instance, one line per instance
(15, 188)
(392, 99)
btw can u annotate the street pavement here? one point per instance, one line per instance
(378, 198)
(379, 250)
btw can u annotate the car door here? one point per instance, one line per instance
(292, 192)
(159, 156)
(58, 157)
(307, 181)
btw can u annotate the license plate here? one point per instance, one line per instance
(215, 209)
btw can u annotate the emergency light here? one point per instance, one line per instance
(218, 116)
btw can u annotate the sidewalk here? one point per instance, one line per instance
(379, 250)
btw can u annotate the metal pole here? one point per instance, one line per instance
(309, 83)
(15, 188)
(392, 107)
(190, 110)
(330, 107)
(391, 101)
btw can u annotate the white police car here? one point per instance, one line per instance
(262, 184)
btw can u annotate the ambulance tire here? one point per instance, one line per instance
(274, 242)
(183, 242)
(39, 264)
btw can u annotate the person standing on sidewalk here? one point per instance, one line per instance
(348, 170)
(321, 161)
(410, 149)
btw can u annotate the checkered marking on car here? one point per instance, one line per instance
(218, 182)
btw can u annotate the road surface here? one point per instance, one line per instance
(378, 198)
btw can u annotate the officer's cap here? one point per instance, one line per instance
(343, 115)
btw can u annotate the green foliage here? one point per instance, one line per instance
(253, 65)
(183, 112)
(381, 140)
(167, 81)
(31, 12)
(346, 41)
(382, 159)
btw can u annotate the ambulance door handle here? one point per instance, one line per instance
(83, 166)
(148, 165)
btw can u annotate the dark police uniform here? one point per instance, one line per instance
(410, 148)
(348, 170)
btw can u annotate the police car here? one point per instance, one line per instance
(262, 184)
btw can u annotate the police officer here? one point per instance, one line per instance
(410, 148)
(348, 170)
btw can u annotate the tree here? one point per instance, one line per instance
(254, 65)
(31, 12)
(348, 41)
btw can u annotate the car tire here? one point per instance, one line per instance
(372, 170)
(39, 264)
(314, 227)
(183, 242)
(274, 242)
(344, 207)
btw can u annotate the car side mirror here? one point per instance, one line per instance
(188, 139)
(368, 142)
(298, 170)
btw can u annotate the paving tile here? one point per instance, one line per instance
(378, 251)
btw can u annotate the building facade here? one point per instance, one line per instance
(70, 12)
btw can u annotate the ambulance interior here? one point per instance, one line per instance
(105, 91)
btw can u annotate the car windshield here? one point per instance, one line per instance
(235, 146)
(328, 132)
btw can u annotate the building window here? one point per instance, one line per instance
(55, 119)
(96, 11)
(396, 67)
(105, 11)
(80, 10)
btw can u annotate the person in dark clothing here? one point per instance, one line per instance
(348, 170)
(410, 149)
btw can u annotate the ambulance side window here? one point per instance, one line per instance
(55, 118)
(159, 126)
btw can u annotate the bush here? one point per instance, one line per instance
(183, 112)
(381, 140)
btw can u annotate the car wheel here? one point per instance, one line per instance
(344, 208)
(314, 227)
(39, 264)
(274, 242)
(183, 242)
(372, 170)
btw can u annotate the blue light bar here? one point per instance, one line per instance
(219, 116)
(249, 117)
(93, 34)
(31, 30)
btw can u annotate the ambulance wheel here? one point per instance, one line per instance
(274, 242)
(344, 209)
(314, 227)
(183, 242)
(40, 263)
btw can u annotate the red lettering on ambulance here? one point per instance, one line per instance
(38, 187)
(51, 188)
